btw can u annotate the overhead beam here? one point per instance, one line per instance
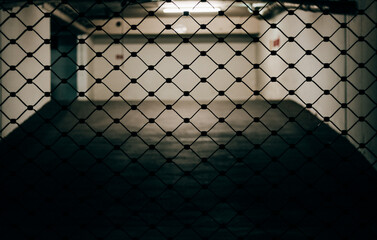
(64, 17)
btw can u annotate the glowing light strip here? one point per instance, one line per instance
(258, 5)
(191, 10)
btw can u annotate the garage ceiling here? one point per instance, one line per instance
(82, 13)
(103, 9)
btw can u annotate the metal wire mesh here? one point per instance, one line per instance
(188, 120)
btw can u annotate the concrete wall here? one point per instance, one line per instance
(183, 25)
(27, 94)
(304, 66)
(172, 67)
(362, 78)
(325, 77)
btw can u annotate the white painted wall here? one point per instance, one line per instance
(183, 25)
(326, 78)
(27, 67)
(305, 65)
(171, 67)
(363, 78)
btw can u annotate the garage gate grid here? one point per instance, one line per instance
(312, 63)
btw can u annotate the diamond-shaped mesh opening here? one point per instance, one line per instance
(188, 119)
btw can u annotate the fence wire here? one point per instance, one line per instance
(188, 119)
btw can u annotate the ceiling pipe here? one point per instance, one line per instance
(271, 9)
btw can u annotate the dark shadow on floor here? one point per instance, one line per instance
(94, 171)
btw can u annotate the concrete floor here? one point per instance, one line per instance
(94, 180)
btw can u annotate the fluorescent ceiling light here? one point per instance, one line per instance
(258, 5)
(191, 10)
(192, 7)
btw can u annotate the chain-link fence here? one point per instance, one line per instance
(188, 119)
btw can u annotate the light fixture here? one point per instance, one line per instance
(258, 5)
(191, 10)
(192, 7)
(180, 28)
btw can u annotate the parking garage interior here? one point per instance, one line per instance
(188, 119)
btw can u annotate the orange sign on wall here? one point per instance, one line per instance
(119, 57)
(275, 43)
